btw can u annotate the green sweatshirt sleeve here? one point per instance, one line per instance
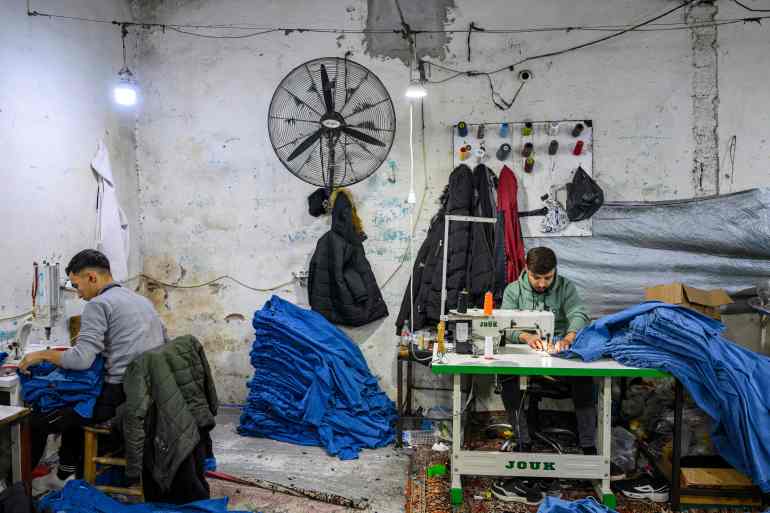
(574, 309)
(511, 300)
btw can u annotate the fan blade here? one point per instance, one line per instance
(362, 136)
(304, 145)
(327, 87)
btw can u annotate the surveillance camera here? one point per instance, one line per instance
(525, 75)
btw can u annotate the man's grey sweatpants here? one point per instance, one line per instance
(582, 395)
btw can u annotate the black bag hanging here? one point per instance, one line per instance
(584, 196)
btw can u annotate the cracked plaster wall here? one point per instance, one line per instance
(215, 200)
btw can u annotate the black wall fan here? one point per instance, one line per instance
(331, 122)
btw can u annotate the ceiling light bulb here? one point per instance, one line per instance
(416, 90)
(125, 91)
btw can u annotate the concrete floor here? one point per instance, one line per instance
(378, 475)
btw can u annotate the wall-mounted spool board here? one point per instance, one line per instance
(548, 170)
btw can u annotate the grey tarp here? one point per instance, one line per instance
(715, 242)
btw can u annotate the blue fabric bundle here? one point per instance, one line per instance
(312, 386)
(79, 497)
(554, 505)
(3, 357)
(726, 381)
(49, 387)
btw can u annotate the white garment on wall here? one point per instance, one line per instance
(112, 235)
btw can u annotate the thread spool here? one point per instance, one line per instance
(553, 147)
(462, 129)
(578, 148)
(503, 151)
(463, 154)
(505, 129)
(529, 165)
(488, 303)
(526, 130)
(577, 130)
(489, 347)
(480, 152)
(481, 131)
(553, 128)
(527, 149)
(440, 333)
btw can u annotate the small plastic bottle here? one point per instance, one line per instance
(406, 335)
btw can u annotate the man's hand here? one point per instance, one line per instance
(532, 341)
(30, 360)
(38, 357)
(566, 342)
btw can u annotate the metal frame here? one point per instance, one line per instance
(569, 466)
(447, 220)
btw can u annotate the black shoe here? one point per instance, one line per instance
(644, 487)
(516, 490)
(616, 473)
(547, 486)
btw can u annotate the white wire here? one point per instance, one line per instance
(411, 215)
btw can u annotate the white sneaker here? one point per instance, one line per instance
(49, 483)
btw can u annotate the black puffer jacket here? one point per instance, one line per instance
(341, 284)
(481, 261)
(431, 253)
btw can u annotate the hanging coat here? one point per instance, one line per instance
(341, 284)
(481, 263)
(430, 254)
(112, 234)
(459, 203)
(507, 203)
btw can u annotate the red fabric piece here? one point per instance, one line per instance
(508, 204)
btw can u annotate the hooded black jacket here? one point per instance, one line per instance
(341, 284)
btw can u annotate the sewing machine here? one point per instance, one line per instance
(496, 325)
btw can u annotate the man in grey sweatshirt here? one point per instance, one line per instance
(117, 324)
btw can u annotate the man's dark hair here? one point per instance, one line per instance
(88, 258)
(541, 260)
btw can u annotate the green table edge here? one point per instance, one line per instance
(456, 496)
(443, 368)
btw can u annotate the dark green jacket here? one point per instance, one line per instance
(561, 298)
(170, 396)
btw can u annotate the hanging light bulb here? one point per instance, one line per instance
(416, 87)
(416, 90)
(126, 89)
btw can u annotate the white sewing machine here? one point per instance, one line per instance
(495, 325)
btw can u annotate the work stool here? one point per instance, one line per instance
(539, 388)
(91, 459)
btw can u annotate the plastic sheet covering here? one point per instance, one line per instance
(589, 505)
(717, 242)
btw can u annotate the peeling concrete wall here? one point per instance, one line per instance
(55, 105)
(215, 200)
(705, 100)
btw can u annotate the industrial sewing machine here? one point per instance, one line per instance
(474, 326)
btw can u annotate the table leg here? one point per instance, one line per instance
(677, 449)
(399, 402)
(608, 498)
(16, 451)
(26, 456)
(456, 494)
(409, 383)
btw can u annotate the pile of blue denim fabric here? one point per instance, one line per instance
(49, 387)
(312, 386)
(728, 382)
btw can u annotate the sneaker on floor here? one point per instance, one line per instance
(547, 486)
(49, 483)
(616, 473)
(644, 487)
(516, 490)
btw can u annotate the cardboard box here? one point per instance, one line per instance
(706, 302)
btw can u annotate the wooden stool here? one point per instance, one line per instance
(91, 459)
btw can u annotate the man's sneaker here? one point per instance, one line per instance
(517, 490)
(49, 483)
(547, 486)
(616, 473)
(644, 487)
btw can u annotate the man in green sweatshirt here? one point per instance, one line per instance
(540, 287)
